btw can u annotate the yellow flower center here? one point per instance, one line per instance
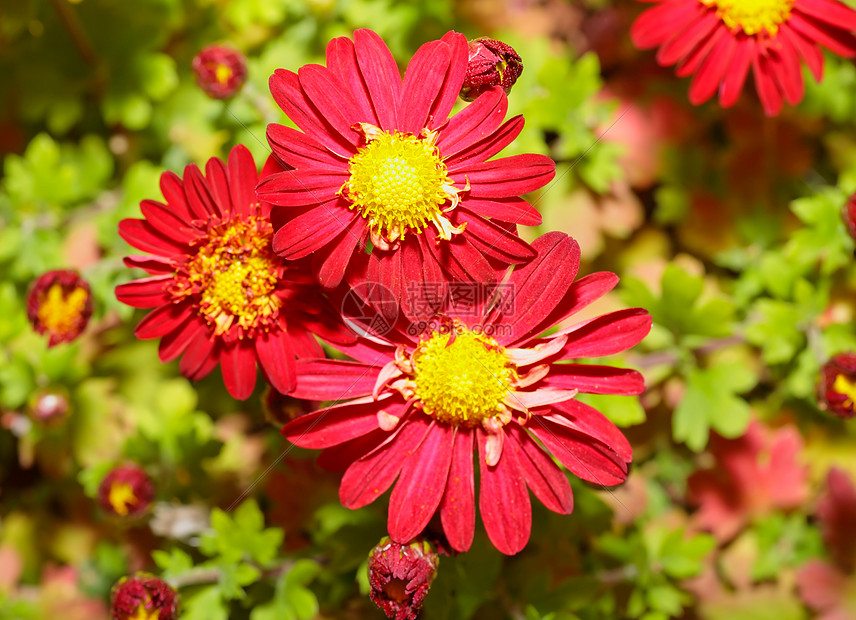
(752, 16)
(234, 274)
(145, 614)
(844, 386)
(461, 382)
(223, 73)
(121, 497)
(59, 311)
(398, 183)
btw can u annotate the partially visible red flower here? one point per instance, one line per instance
(490, 63)
(220, 71)
(827, 590)
(143, 597)
(59, 304)
(721, 40)
(221, 296)
(754, 475)
(849, 215)
(400, 576)
(836, 515)
(419, 402)
(127, 491)
(378, 160)
(837, 389)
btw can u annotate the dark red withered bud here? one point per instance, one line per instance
(849, 215)
(837, 389)
(220, 71)
(400, 576)
(59, 305)
(143, 597)
(49, 407)
(127, 491)
(491, 63)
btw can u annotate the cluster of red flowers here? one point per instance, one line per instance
(378, 191)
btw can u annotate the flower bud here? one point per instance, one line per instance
(49, 407)
(59, 304)
(143, 597)
(220, 71)
(491, 63)
(837, 390)
(400, 576)
(127, 491)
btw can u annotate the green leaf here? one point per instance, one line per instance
(205, 604)
(242, 535)
(172, 563)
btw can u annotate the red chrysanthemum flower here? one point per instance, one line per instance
(720, 40)
(400, 577)
(143, 597)
(220, 293)
(378, 160)
(127, 491)
(418, 405)
(837, 386)
(59, 304)
(220, 71)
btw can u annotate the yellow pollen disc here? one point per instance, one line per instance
(223, 73)
(60, 312)
(397, 183)
(235, 275)
(121, 497)
(464, 382)
(844, 386)
(145, 614)
(752, 16)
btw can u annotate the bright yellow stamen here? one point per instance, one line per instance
(121, 497)
(844, 386)
(145, 614)
(235, 275)
(752, 16)
(223, 73)
(398, 183)
(463, 382)
(59, 311)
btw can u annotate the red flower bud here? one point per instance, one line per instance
(143, 597)
(220, 71)
(400, 576)
(838, 385)
(126, 491)
(491, 63)
(59, 304)
(49, 407)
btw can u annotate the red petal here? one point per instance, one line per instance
(200, 357)
(276, 357)
(150, 264)
(311, 231)
(712, 71)
(369, 477)
(238, 367)
(474, 123)
(301, 151)
(340, 457)
(164, 220)
(691, 63)
(174, 343)
(607, 334)
(337, 424)
(656, 25)
(420, 487)
(587, 420)
(331, 99)
(334, 379)
(514, 210)
(835, 14)
(160, 321)
(508, 176)
(243, 178)
(381, 76)
(145, 293)
(202, 204)
(836, 41)
(342, 61)
(584, 457)
(595, 379)
(684, 42)
(472, 262)
(494, 241)
(172, 188)
(785, 64)
(735, 78)
(143, 236)
(549, 483)
(458, 506)
(335, 261)
(422, 82)
(504, 501)
(768, 90)
(809, 52)
(298, 188)
(488, 147)
(452, 81)
(218, 185)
